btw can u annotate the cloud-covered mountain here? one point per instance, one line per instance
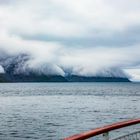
(16, 69)
(58, 37)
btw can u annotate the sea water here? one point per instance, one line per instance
(52, 111)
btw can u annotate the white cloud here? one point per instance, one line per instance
(1, 69)
(69, 18)
(135, 74)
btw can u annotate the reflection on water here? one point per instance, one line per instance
(54, 110)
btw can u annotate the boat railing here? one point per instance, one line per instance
(105, 130)
(130, 136)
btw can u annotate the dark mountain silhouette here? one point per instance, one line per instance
(57, 78)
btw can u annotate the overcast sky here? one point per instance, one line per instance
(85, 36)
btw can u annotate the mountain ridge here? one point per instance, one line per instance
(57, 78)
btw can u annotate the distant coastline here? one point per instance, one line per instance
(57, 78)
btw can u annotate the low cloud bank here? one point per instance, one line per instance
(53, 58)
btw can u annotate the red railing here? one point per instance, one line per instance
(102, 130)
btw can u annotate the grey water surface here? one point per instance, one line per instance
(52, 111)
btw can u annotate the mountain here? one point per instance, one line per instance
(3, 78)
(76, 78)
(57, 78)
(15, 71)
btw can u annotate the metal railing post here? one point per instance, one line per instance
(106, 136)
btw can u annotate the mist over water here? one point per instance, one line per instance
(52, 111)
